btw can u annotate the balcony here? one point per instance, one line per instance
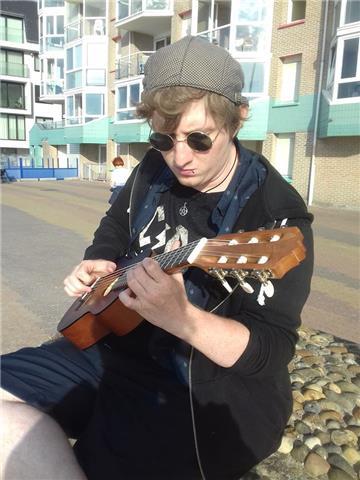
(150, 17)
(52, 88)
(14, 69)
(90, 26)
(9, 34)
(131, 66)
(51, 125)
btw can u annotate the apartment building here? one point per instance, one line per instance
(21, 105)
(302, 78)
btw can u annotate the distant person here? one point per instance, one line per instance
(118, 178)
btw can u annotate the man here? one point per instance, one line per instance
(200, 390)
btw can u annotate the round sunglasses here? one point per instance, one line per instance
(198, 141)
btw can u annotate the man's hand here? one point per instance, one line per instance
(84, 274)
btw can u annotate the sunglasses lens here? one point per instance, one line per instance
(161, 141)
(199, 141)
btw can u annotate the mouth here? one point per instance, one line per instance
(186, 172)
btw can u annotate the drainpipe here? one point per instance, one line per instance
(311, 180)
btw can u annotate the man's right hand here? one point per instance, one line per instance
(84, 274)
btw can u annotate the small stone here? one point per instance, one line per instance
(287, 443)
(313, 360)
(345, 400)
(315, 465)
(336, 376)
(348, 387)
(338, 461)
(312, 407)
(326, 415)
(329, 405)
(320, 340)
(312, 420)
(297, 406)
(324, 437)
(310, 394)
(354, 369)
(333, 387)
(337, 474)
(321, 451)
(298, 396)
(344, 437)
(312, 442)
(354, 428)
(302, 352)
(302, 428)
(300, 452)
(331, 448)
(315, 386)
(351, 454)
(308, 374)
(335, 349)
(333, 425)
(356, 413)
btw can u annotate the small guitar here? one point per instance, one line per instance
(263, 255)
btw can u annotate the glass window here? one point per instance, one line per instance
(123, 8)
(350, 55)
(352, 13)
(94, 104)
(95, 55)
(14, 30)
(60, 24)
(77, 56)
(50, 67)
(36, 62)
(249, 38)
(73, 79)
(290, 79)
(254, 77)
(50, 25)
(4, 132)
(297, 10)
(69, 59)
(12, 95)
(122, 97)
(350, 89)
(251, 10)
(284, 154)
(70, 106)
(204, 12)
(134, 94)
(95, 77)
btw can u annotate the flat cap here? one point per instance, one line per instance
(195, 62)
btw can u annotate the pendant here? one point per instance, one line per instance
(183, 210)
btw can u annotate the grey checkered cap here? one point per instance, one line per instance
(194, 62)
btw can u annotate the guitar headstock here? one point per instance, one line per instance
(261, 254)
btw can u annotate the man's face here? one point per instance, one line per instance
(199, 170)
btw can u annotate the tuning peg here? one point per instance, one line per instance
(240, 278)
(220, 275)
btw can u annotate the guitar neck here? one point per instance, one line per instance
(168, 261)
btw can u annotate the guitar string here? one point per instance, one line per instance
(170, 256)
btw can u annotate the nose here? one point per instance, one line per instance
(183, 154)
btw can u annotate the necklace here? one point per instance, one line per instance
(183, 210)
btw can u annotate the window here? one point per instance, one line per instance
(343, 80)
(95, 77)
(94, 106)
(12, 63)
(290, 81)
(254, 77)
(297, 10)
(213, 21)
(74, 109)
(284, 154)
(12, 127)
(74, 64)
(11, 29)
(37, 94)
(352, 11)
(127, 97)
(12, 95)
(36, 62)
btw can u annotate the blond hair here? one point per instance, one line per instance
(171, 102)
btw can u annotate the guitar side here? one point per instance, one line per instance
(86, 323)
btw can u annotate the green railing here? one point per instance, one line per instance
(14, 69)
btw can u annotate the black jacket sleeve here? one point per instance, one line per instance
(111, 239)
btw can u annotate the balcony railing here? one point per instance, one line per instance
(50, 125)
(52, 87)
(132, 65)
(94, 26)
(9, 34)
(127, 8)
(14, 69)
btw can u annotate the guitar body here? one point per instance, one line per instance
(98, 314)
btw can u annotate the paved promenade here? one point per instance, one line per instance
(46, 226)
